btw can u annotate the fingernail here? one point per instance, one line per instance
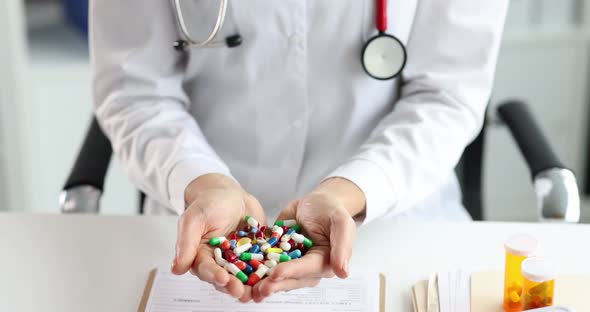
(173, 262)
(345, 266)
(221, 284)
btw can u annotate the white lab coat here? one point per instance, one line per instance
(292, 105)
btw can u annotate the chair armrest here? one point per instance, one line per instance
(84, 185)
(558, 198)
(80, 199)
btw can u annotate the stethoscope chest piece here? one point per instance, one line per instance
(384, 56)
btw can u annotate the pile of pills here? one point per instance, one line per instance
(250, 254)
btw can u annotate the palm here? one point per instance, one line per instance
(214, 213)
(331, 229)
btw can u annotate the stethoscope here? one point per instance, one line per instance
(187, 42)
(383, 56)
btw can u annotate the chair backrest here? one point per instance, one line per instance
(470, 174)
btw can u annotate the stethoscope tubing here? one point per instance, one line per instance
(222, 12)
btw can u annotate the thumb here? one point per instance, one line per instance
(254, 209)
(190, 229)
(290, 211)
(342, 232)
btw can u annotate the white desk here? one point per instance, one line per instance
(89, 263)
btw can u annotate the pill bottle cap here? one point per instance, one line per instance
(521, 245)
(538, 270)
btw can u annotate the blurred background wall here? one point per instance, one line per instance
(45, 102)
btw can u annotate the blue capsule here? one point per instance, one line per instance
(272, 241)
(254, 249)
(290, 231)
(232, 244)
(254, 230)
(248, 270)
(242, 234)
(295, 254)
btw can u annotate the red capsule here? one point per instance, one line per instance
(285, 229)
(253, 279)
(292, 242)
(255, 263)
(233, 236)
(251, 235)
(230, 256)
(225, 245)
(247, 228)
(262, 229)
(241, 265)
(259, 234)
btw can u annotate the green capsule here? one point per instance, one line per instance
(242, 277)
(307, 242)
(287, 223)
(214, 241)
(284, 258)
(247, 256)
(296, 228)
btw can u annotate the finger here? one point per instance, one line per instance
(342, 232)
(235, 287)
(207, 270)
(190, 230)
(312, 265)
(254, 209)
(221, 289)
(247, 296)
(289, 212)
(265, 288)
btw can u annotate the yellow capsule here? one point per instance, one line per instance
(514, 296)
(274, 250)
(244, 241)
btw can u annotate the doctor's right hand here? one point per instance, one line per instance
(217, 206)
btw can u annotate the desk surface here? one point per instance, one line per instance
(90, 263)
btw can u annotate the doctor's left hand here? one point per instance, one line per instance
(326, 216)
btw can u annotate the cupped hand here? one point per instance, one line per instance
(217, 206)
(326, 218)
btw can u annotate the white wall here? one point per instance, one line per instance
(13, 107)
(61, 100)
(544, 61)
(552, 76)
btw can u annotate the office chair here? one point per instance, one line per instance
(555, 185)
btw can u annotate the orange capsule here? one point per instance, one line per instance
(241, 265)
(225, 245)
(254, 263)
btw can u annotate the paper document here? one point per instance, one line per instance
(360, 292)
